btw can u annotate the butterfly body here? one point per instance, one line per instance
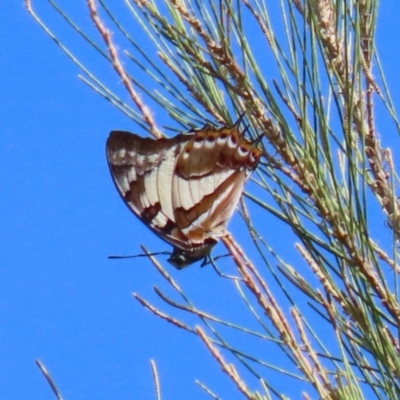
(184, 188)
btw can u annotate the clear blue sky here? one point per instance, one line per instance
(61, 299)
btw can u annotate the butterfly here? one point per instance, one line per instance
(184, 188)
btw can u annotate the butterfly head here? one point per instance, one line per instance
(182, 258)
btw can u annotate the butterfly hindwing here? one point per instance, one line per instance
(211, 171)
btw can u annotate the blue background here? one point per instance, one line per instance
(61, 299)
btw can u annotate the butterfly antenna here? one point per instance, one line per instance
(240, 119)
(258, 140)
(165, 253)
(246, 129)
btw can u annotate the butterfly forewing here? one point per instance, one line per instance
(142, 170)
(184, 188)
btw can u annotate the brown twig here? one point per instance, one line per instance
(229, 369)
(116, 63)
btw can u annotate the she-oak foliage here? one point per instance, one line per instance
(308, 77)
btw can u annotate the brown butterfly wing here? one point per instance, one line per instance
(209, 178)
(142, 170)
(184, 188)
